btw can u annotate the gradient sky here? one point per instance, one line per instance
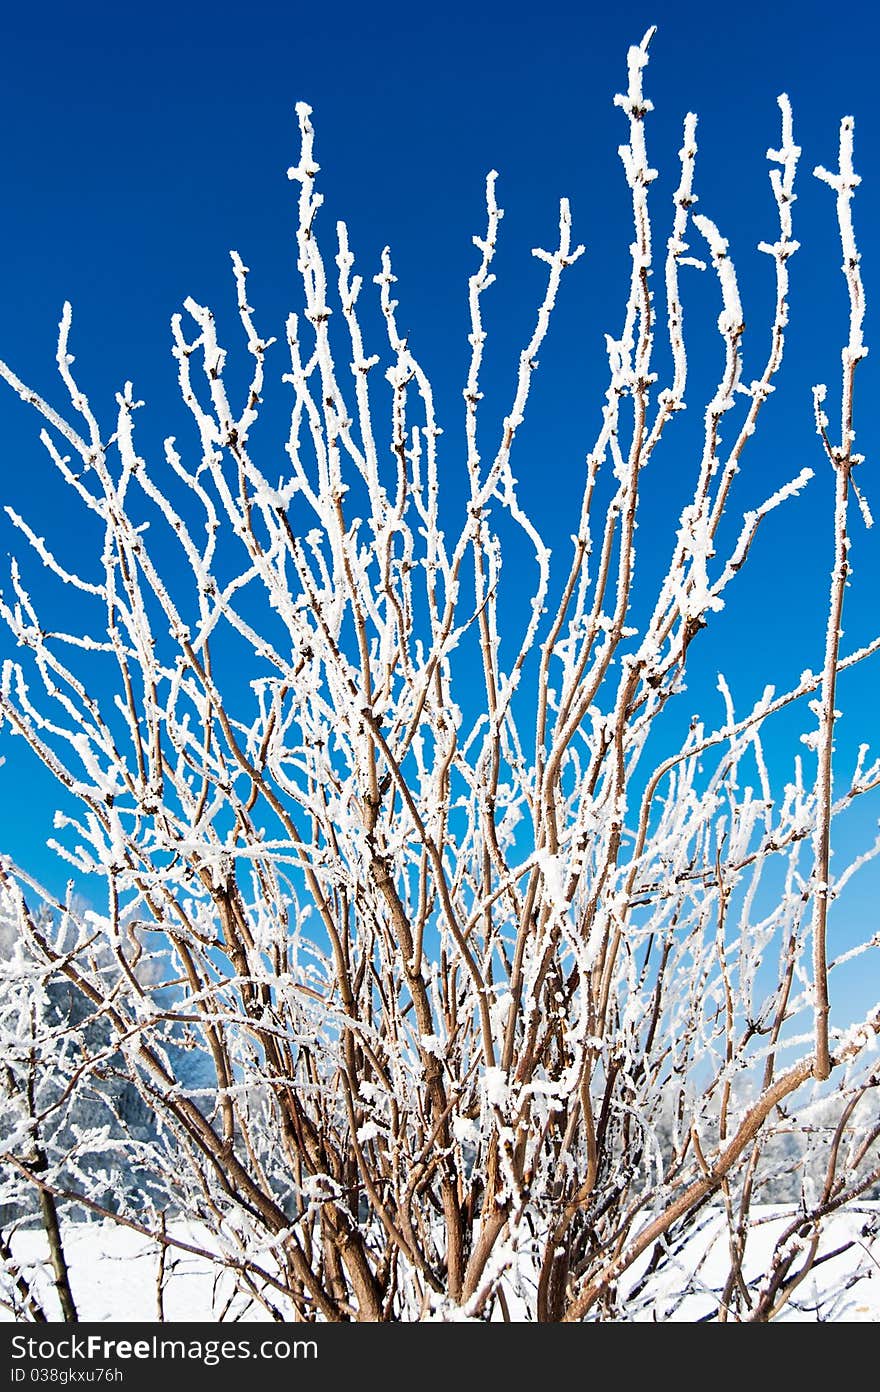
(141, 144)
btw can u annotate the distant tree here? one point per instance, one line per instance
(32, 1070)
(452, 997)
(69, 1117)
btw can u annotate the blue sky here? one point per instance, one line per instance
(141, 145)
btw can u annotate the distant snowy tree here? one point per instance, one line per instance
(68, 1116)
(452, 994)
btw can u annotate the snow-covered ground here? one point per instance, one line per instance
(114, 1275)
(838, 1289)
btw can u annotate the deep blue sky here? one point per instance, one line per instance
(140, 144)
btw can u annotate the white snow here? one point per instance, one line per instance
(114, 1274)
